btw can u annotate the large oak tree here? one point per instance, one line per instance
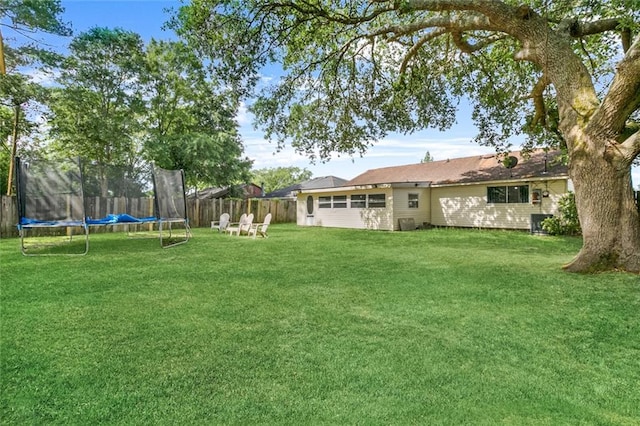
(562, 72)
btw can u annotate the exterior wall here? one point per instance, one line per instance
(359, 218)
(459, 206)
(301, 208)
(466, 206)
(401, 209)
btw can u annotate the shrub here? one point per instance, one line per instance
(566, 222)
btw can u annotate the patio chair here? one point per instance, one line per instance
(243, 226)
(233, 226)
(222, 224)
(260, 228)
(244, 229)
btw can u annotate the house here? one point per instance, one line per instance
(291, 192)
(482, 191)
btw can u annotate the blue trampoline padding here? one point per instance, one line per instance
(148, 219)
(111, 219)
(25, 221)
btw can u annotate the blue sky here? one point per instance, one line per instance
(146, 17)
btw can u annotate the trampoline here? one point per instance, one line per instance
(52, 201)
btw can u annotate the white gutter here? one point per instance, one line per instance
(426, 184)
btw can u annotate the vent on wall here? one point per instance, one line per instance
(407, 224)
(536, 223)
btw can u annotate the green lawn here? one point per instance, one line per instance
(318, 326)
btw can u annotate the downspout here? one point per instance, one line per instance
(430, 204)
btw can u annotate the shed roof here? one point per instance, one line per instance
(479, 168)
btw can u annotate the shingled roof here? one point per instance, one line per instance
(480, 168)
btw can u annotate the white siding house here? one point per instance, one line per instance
(477, 192)
(347, 208)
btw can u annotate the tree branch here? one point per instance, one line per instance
(630, 148)
(623, 97)
(577, 29)
(537, 93)
(466, 23)
(469, 48)
(626, 40)
(315, 10)
(417, 46)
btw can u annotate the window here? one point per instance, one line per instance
(377, 200)
(339, 201)
(413, 201)
(358, 201)
(518, 194)
(324, 202)
(336, 201)
(508, 194)
(497, 194)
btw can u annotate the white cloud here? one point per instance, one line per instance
(41, 77)
(244, 117)
(392, 151)
(266, 79)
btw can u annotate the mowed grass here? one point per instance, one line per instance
(318, 326)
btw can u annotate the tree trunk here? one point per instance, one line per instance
(608, 215)
(3, 68)
(14, 148)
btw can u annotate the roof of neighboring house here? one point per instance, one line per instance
(208, 193)
(248, 191)
(315, 183)
(478, 168)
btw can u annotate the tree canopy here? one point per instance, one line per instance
(190, 124)
(427, 158)
(273, 178)
(357, 70)
(95, 112)
(120, 102)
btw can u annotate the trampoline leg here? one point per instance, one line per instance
(24, 251)
(187, 234)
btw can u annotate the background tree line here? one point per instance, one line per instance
(114, 101)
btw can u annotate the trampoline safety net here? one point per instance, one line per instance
(169, 191)
(50, 192)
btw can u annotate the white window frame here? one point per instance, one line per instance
(339, 201)
(360, 202)
(380, 201)
(414, 200)
(324, 202)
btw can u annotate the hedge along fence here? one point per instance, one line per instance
(199, 212)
